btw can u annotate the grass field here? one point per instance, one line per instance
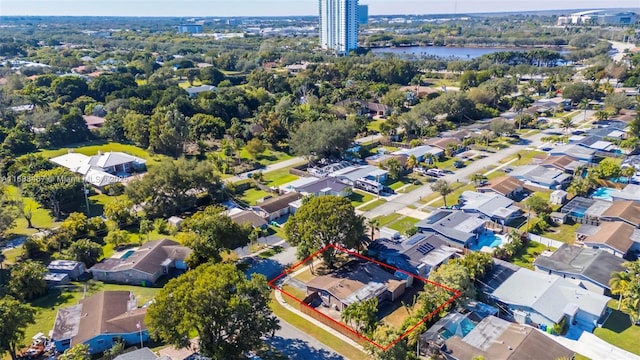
(48, 305)
(360, 197)
(385, 220)
(526, 157)
(279, 177)
(251, 196)
(375, 125)
(565, 233)
(403, 224)
(268, 157)
(372, 205)
(619, 331)
(41, 217)
(525, 258)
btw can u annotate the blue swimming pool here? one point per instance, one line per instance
(461, 328)
(603, 193)
(127, 254)
(487, 238)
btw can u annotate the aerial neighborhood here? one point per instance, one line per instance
(180, 182)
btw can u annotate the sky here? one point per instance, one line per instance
(213, 8)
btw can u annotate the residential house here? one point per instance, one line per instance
(540, 176)
(630, 192)
(493, 207)
(592, 267)
(297, 184)
(457, 227)
(355, 282)
(497, 339)
(276, 207)
(94, 122)
(100, 321)
(326, 186)
(631, 161)
(350, 174)
(194, 91)
(615, 237)
(586, 210)
(544, 300)
(418, 254)
(141, 354)
(74, 269)
(444, 142)
(144, 265)
(378, 160)
(420, 152)
(626, 211)
(564, 163)
(102, 169)
(507, 186)
(366, 107)
(249, 217)
(577, 152)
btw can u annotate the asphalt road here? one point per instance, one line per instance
(398, 202)
(297, 345)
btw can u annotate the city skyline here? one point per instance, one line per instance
(212, 8)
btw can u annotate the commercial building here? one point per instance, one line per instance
(599, 17)
(190, 29)
(363, 14)
(339, 25)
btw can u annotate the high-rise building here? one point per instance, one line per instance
(363, 14)
(339, 25)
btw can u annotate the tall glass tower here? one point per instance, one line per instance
(339, 25)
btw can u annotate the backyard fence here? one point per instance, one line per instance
(545, 241)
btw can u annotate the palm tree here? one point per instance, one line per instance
(628, 172)
(374, 225)
(477, 178)
(584, 105)
(443, 188)
(567, 123)
(602, 115)
(620, 284)
(518, 105)
(412, 161)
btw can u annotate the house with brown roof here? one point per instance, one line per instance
(497, 339)
(94, 122)
(564, 163)
(100, 321)
(355, 282)
(507, 186)
(443, 142)
(626, 211)
(612, 236)
(144, 265)
(249, 217)
(277, 207)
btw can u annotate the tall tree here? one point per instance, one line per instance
(15, 316)
(85, 251)
(76, 352)
(57, 189)
(27, 280)
(394, 167)
(322, 138)
(362, 316)
(228, 312)
(567, 123)
(322, 221)
(443, 188)
(8, 213)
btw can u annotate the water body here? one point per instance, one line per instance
(447, 51)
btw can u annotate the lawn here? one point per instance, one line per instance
(565, 233)
(11, 255)
(375, 125)
(324, 337)
(268, 157)
(372, 205)
(452, 198)
(48, 305)
(306, 275)
(92, 148)
(360, 197)
(403, 224)
(409, 188)
(186, 84)
(99, 201)
(385, 220)
(279, 177)
(619, 331)
(41, 217)
(526, 157)
(252, 195)
(526, 258)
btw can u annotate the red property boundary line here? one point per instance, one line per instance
(456, 294)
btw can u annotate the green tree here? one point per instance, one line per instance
(85, 251)
(322, 138)
(362, 316)
(373, 225)
(412, 161)
(394, 167)
(121, 212)
(27, 280)
(608, 169)
(443, 188)
(76, 352)
(620, 284)
(584, 105)
(57, 189)
(455, 276)
(146, 226)
(255, 147)
(567, 123)
(323, 221)
(384, 335)
(215, 231)
(15, 316)
(538, 205)
(116, 349)
(117, 237)
(228, 312)
(501, 127)
(477, 178)
(8, 213)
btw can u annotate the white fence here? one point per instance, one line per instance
(545, 241)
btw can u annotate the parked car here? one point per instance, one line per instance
(435, 172)
(458, 164)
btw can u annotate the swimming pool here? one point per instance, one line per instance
(460, 328)
(603, 193)
(127, 254)
(487, 238)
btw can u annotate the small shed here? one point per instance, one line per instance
(74, 269)
(558, 217)
(558, 197)
(56, 279)
(175, 221)
(387, 233)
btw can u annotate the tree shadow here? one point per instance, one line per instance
(296, 349)
(617, 321)
(53, 299)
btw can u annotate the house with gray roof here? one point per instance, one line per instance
(102, 169)
(592, 267)
(491, 206)
(418, 254)
(350, 174)
(575, 151)
(420, 152)
(74, 269)
(195, 90)
(456, 226)
(535, 298)
(630, 192)
(540, 176)
(144, 265)
(140, 354)
(325, 186)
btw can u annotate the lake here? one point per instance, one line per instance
(447, 51)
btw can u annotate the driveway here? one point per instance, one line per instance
(297, 345)
(399, 202)
(275, 265)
